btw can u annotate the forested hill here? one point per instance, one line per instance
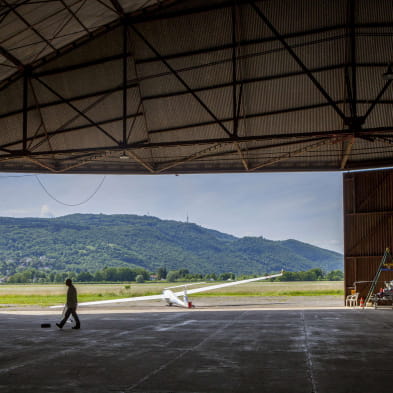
(92, 241)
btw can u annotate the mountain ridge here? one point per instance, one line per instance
(90, 242)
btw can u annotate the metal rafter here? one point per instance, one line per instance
(192, 157)
(291, 154)
(252, 149)
(117, 7)
(125, 77)
(141, 105)
(235, 104)
(280, 38)
(353, 121)
(75, 16)
(42, 123)
(240, 43)
(63, 26)
(141, 162)
(234, 70)
(77, 110)
(61, 130)
(377, 99)
(101, 93)
(245, 117)
(140, 17)
(250, 42)
(27, 3)
(348, 149)
(135, 84)
(10, 57)
(180, 79)
(107, 6)
(25, 111)
(332, 135)
(32, 28)
(352, 38)
(126, 136)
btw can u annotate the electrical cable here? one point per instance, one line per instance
(69, 204)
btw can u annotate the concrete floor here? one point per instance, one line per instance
(190, 351)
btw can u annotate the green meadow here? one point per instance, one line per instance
(50, 294)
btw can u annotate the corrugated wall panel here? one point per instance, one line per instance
(368, 227)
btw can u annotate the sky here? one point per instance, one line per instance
(279, 206)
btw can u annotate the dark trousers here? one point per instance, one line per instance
(71, 311)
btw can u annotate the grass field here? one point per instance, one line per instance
(46, 295)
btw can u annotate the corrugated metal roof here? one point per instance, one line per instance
(195, 86)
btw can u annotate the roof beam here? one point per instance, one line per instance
(25, 111)
(125, 76)
(59, 131)
(117, 7)
(352, 39)
(42, 121)
(11, 58)
(252, 149)
(179, 78)
(75, 17)
(377, 99)
(327, 137)
(245, 117)
(134, 84)
(31, 27)
(65, 101)
(297, 60)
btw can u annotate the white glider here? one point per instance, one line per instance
(172, 298)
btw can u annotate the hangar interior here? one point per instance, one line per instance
(197, 86)
(151, 87)
(205, 86)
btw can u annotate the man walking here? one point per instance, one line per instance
(72, 303)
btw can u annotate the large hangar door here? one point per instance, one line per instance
(368, 227)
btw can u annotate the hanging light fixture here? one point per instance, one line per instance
(124, 156)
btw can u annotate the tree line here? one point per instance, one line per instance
(125, 274)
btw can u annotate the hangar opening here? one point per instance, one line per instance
(218, 86)
(119, 86)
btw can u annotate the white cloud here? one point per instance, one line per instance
(46, 212)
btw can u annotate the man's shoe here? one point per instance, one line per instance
(76, 327)
(59, 326)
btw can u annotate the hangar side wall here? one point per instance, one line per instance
(368, 227)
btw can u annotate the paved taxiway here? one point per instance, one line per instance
(238, 348)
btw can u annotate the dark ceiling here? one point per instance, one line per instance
(154, 87)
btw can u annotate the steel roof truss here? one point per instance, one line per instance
(74, 15)
(297, 60)
(25, 111)
(42, 124)
(125, 75)
(262, 147)
(377, 99)
(291, 154)
(11, 58)
(31, 27)
(180, 79)
(62, 130)
(65, 101)
(328, 136)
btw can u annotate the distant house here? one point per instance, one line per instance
(153, 277)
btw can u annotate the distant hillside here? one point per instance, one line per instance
(92, 241)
